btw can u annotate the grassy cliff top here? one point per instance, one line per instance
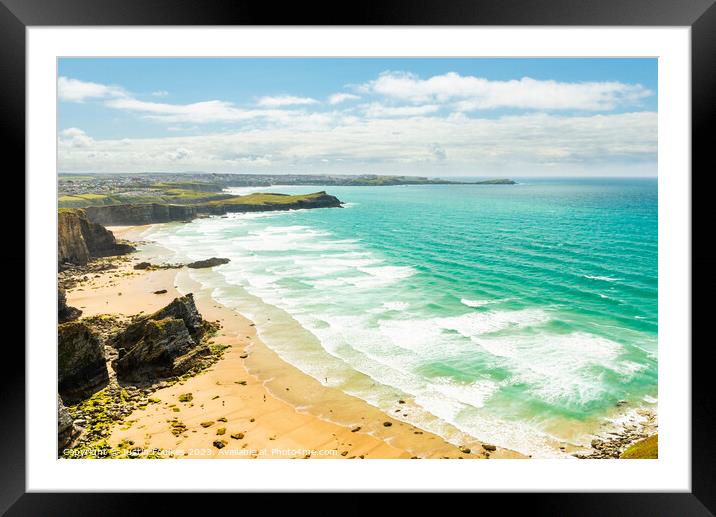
(77, 211)
(163, 195)
(266, 198)
(199, 186)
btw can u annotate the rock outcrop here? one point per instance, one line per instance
(82, 367)
(211, 262)
(79, 239)
(160, 213)
(317, 200)
(140, 214)
(164, 344)
(66, 430)
(65, 312)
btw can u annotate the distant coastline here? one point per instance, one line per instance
(87, 189)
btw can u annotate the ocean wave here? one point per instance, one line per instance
(474, 303)
(326, 297)
(602, 278)
(396, 306)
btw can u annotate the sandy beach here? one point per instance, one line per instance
(256, 404)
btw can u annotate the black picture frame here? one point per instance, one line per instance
(700, 15)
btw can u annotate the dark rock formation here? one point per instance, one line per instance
(66, 430)
(140, 214)
(79, 239)
(213, 261)
(71, 246)
(165, 349)
(163, 344)
(65, 312)
(182, 308)
(142, 265)
(159, 213)
(82, 368)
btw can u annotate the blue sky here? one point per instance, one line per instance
(437, 117)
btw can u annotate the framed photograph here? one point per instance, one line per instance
(355, 254)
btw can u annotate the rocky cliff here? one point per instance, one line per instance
(81, 363)
(66, 429)
(164, 344)
(79, 239)
(65, 312)
(159, 213)
(140, 214)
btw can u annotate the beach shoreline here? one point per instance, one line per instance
(251, 400)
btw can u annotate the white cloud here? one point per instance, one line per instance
(285, 100)
(196, 113)
(160, 93)
(178, 154)
(409, 125)
(205, 112)
(337, 98)
(377, 110)
(517, 145)
(75, 137)
(473, 93)
(74, 90)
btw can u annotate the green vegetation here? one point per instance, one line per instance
(197, 186)
(170, 195)
(82, 200)
(178, 428)
(647, 449)
(191, 196)
(95, 410)
(71, 178)
(259, 198)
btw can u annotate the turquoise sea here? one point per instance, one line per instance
(522, 315)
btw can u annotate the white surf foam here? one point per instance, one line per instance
(396, 306)
(337, 289)
(602, 278)
(474, 303)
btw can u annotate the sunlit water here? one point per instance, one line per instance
(520, 315)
